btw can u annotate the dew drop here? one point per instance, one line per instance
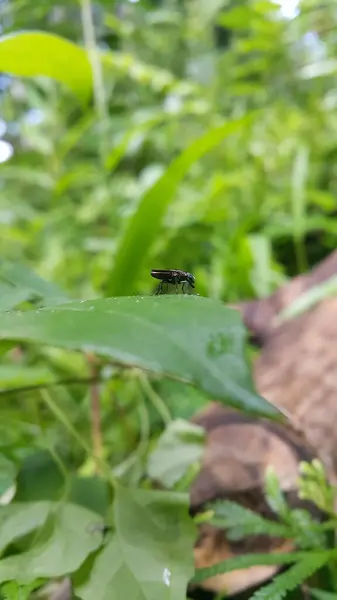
(167, 577)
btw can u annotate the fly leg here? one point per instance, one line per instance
(159, 289)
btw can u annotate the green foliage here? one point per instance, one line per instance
(314, 485)
(170, 142)
(295, 524)
(180, 446)
(150, 553)
(30, 54)
(64, 540)
(292, 578)
(240, 521)
(143, 226)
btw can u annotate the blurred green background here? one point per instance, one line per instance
(256, 209)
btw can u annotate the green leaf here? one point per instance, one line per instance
(275, 495)
(180, 446)
(190, 338)
(64, 543)
(322, 595)
(35, 53)
(19, 519)
(91, 492)
(151, 553)
(298, 201)
(142, 227)
(13, 591)
(7, 474)
(16, 376)
(21, 277)
(327, 289)
(11, 296)
(292, 578)
(39, 478)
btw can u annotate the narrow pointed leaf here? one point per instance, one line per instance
(143, 226)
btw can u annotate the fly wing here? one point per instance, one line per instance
(163, 274)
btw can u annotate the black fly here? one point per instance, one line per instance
(174, 276)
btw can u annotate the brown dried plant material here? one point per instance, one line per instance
(296, 371)
(238, 451)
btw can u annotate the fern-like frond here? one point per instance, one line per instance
(240, 521)
(255, 559)
(292, 578)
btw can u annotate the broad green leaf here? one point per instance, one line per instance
(22, 278)
(151, 553)
(35, 53)
(180, 446)
(39, 478)
(91, 492)
(68, 537)
(16, 376)
(142, 227)
(190, 338)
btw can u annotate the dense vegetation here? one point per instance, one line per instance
(189, 134)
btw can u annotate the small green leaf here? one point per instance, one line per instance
(180, 446)
(275, 495)
(16, 376)
(151, 553)
(35, 53)
(64, 543)
(190, 338)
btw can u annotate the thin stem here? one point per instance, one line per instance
(156, 400)
(51, 384)
(96, 65)
(63, 418)
(96, 433)
(144, 423)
